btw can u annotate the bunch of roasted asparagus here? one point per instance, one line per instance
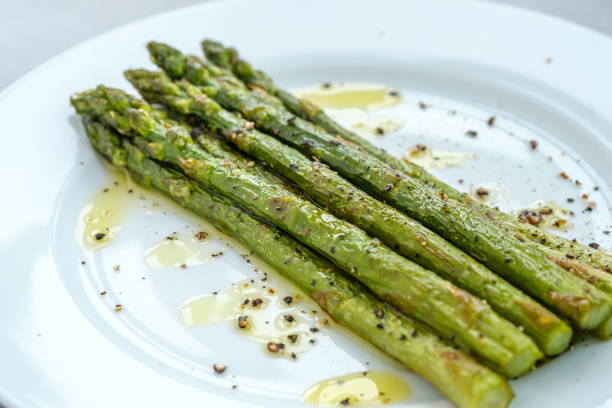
(375, 240)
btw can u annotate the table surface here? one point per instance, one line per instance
(45, 28)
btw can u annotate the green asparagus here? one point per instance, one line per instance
(403, 234)
(215, 144)
(228, 58)
(457, 375)
(518, 262)
(451, 311)
(501, 220)
(598, 278)
(548, 244)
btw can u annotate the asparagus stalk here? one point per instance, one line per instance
(175, 64)
(457, 375)
(523, 265)
(191, 67)
(396, 230)
(549, 332)
(549, 335)
(601, 280)
(449, 310)
(229, 59)
(485, 214)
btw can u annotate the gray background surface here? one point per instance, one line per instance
(32, 31)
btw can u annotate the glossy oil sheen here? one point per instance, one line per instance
(365, 123)
(102, 217)
(554, 215)
(357, 95)
(178, 251)
(359, 389)
(497, 193)
(281, 322)
(436, 159)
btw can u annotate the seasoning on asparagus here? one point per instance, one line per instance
(395, 229)
(229, 59)
(504, 221)
(550, 336)
(457, 375)
(521, 264)
(420, 293)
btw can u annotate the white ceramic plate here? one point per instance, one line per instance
(62, 344)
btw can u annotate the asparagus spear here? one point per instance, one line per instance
(600, 279)
(449, 310)
(402, 199)
(179, 62)
(403, 234)
(229, 59)
(220, 84)
(550, 333)
(518, 262)
(408, 237)
(233, 94)
(547, 342)
(544, 324)
(463, 380)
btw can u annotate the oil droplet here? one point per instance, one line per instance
(176, 251)
(545, 214)
(366, 96)
(491, 193)
(103, 216)
(284, 324)
(434, 159)
(365, 388)
(360, 122)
